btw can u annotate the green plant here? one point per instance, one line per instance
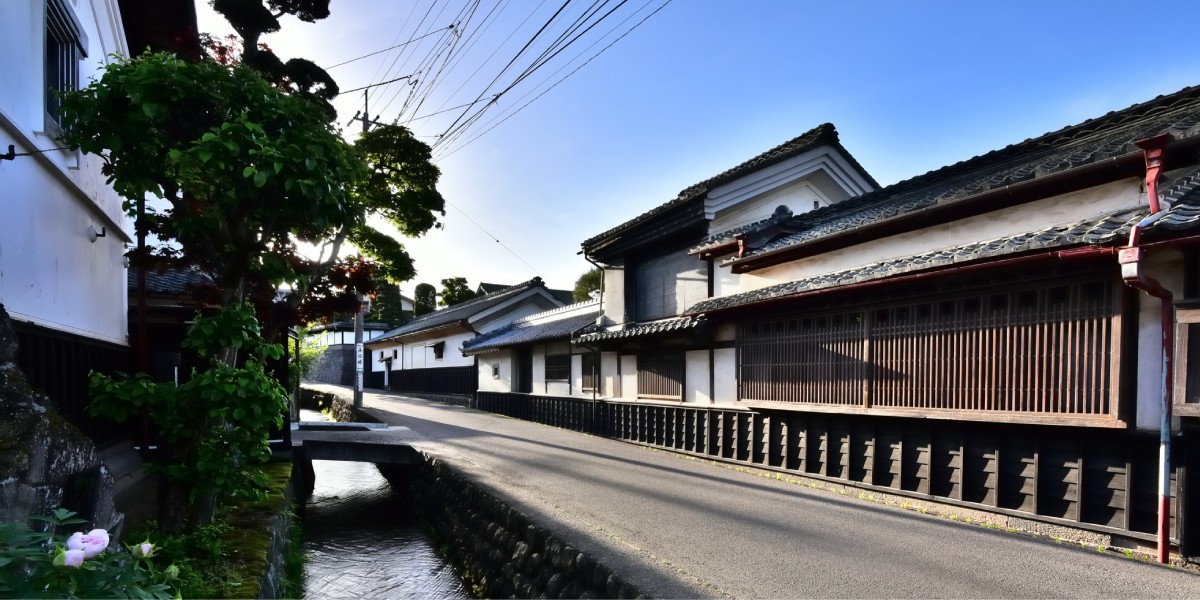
(48, 564)
(217, 424)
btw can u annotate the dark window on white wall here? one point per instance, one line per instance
(439, 349)
(667, 285)
(66, 45)
(558, 367)
(591, 370)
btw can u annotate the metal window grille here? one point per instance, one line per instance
(660, 375)
(558, 367)
(1051, 350)
(66, 45)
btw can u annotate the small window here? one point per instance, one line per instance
(558, 367)
(660, 375)
(591, 371)
(66, 45)
(495, 370)
(439, 349)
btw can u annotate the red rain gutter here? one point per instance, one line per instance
(1131, 271)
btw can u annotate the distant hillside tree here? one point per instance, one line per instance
(424, 299)
(454, 291)
(587, 286)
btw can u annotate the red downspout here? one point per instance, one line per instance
(1131, 271)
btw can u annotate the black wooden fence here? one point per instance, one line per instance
(441, 380)
(1100, 480)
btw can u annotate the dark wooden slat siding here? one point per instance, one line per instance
(1045, 352)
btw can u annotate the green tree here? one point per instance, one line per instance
(248, 166)
(387, 306)
(454, 291)
(587, 285)
(424, 299)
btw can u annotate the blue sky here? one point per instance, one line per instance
(703, 85)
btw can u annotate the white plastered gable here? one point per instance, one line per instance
(819, 177)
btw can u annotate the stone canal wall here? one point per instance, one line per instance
(496, 547)
(500, 550)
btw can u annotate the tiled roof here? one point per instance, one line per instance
(1091, 142)
(782, 215)
(461, 311)
(821, 135)
(524, 332)
(641, 329)
(1105, 230)
(174, 282)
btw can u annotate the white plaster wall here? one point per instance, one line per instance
(610, 374)
(798, 197)
(628, 377)
(1033, 216)
(501, 383)
(614, 295)
(420, 354)
(697, 388)
(50, 272)
(1167, 269)
(725, 376)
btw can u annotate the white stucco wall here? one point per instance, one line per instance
(614, 295)
(1165, 267)
(725, 376)
(628, 376)
(51, 273)
(610, 374)
(503, 361)
(1059, 210)
(697, 388)
(799, 197)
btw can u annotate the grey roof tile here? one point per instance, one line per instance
(824, 134)
(519, 333)
(169, 281)
(1090, 142)
(641, 329)
(461, 311)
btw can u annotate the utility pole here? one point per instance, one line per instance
(367, 122)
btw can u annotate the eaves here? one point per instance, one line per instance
(1121, 167)
(439, 331)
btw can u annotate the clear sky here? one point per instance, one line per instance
(703, 85)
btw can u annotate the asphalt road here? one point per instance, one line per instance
(678, 527)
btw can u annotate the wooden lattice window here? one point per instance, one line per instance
(1048, 351)
(660, 375)
(558, 367)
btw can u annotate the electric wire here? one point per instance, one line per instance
(416, 39)
(556, 83)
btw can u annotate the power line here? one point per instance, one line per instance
(497, 240)
(417, 39)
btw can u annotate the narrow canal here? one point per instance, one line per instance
(362, 541)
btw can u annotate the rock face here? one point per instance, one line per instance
(45, 461)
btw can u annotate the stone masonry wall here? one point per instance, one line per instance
(494, 545)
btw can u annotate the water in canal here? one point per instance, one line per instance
(362, 540)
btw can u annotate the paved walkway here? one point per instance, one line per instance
(678, 527)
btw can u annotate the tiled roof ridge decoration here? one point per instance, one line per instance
(437, 317)
(823, 134)
(1107, 229)
(629, 330)
(781, 215)
(559, 310)
(1089, 142)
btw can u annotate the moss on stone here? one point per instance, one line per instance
(248, 540)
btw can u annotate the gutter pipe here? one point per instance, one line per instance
(595, 349)
(1131, 272)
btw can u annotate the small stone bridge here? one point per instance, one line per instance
(358, 442)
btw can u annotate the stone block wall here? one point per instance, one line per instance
(335, 365)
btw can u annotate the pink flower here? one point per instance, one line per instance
(92, 543)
